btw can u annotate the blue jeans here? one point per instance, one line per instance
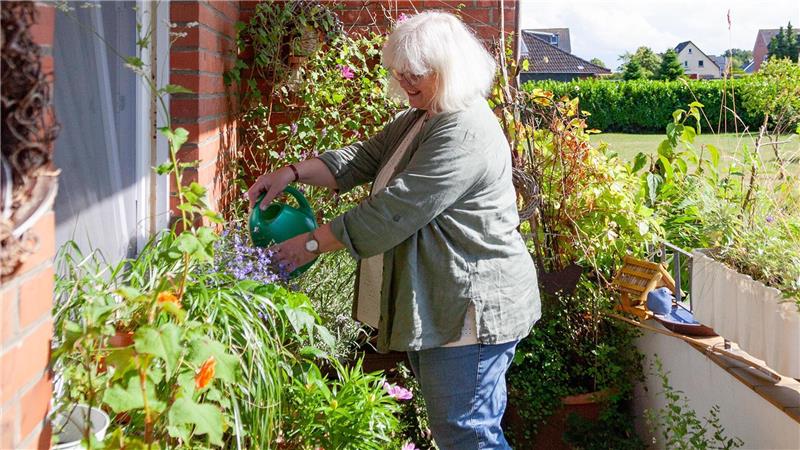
(465, 393)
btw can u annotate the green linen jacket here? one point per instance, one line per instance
(446, 224)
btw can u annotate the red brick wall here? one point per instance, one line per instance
(363, 16)
(760, 51)
(26, 327)
(483, 16)
(197, 62)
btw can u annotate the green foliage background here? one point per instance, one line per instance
(645, 106)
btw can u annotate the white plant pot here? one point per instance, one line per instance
(68, 426)
(745, 311)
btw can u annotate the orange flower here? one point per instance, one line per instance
(205, 373)
(167, 296)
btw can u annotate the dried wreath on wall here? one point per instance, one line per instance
(27, 176)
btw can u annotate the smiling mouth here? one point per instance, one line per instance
(410, 94)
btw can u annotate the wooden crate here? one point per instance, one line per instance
(635, 279)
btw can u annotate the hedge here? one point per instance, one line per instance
(646, 106)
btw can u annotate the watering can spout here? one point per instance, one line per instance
(279, 222)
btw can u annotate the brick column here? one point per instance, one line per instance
(26, 327)
(197, 62)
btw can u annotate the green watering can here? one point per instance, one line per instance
(280, 222)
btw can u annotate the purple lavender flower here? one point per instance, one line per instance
(400, 19)
(237, 257)
(347, 72)
(397, 392)
(293, 127)
(324, 132)
(409, 446)
(770, 219)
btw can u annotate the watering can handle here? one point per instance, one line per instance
(294, 192)
(301, 199)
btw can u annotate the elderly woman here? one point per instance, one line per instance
(436, 240)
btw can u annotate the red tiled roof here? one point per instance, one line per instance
(546, 58)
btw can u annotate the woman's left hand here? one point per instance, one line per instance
(291, 254)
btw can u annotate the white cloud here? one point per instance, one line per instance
(608, 28)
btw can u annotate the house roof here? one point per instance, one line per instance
(719, 60)
(546, 58)
(681, 46)
(713, 59)
(766, 35)
(564, 42)
(749, 67)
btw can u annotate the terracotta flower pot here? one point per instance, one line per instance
(551, 433)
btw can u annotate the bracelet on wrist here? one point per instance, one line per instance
(295, 172)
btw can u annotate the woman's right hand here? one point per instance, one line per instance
(272, 183)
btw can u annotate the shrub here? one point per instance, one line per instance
(644, 106)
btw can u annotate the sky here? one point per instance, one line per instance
(606, 29)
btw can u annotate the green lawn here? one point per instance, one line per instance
(628, 145)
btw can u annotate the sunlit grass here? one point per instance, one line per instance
(730, 146)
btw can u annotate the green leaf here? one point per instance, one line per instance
(176, 89)
(667, 167)
(665, 148)
(639, 161)
(134, 61)
(207, 419)
(188, 243)
(688, 134)
(206, 236)
(213, 216)
(174, 310)
(176, 137)
(162, 342)
(165, 168)
(714, 152)
(127, 395)
(326, 336)
(312, 352)
(121, 359)
(227, 365)
(653, 182)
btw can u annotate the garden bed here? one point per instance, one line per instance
(757, 317)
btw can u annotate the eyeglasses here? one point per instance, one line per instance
(411, 78)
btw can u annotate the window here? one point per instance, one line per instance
(106, 200)
(686, 64)
(690, 51)
(554, 39)
(700, 63)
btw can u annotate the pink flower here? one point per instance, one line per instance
(400, 19)
(347, 72)
(397, 392)
(409, 446)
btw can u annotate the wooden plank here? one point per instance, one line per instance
(641, 263)
(635, 273)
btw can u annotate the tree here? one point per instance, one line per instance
(670, 68)
(647, 59)
(786, 44)
(739, 58)
(598, 62)
(633, 71)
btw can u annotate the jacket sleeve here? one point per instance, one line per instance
(444, 167)
(358, 163)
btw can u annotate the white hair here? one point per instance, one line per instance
(438, 42)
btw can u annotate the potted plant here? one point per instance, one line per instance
(579, 220)
(76, 423)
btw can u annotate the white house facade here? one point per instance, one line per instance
(695, 63)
